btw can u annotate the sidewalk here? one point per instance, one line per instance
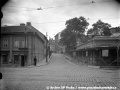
(74, 60)
(42, 62)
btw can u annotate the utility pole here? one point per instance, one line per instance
(49, 47)
(118, 58)
(25, 54)
(46, 49)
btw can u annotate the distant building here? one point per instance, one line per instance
(58, 37)
(52, 45)
(19, 45)
(57, 40)
(115, 31)
(58, 47)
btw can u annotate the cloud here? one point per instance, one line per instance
(17, 12)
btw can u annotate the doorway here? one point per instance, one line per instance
(22, 60)
(5, 59)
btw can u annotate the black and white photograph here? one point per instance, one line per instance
(60, 45)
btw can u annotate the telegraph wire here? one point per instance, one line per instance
(56, 6)
(66, 20)
(77, 4)
(16, 11)
(21, 7)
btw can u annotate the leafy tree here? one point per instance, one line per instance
(100, 28)
(74, 28)
(90, 31)
(77, 25)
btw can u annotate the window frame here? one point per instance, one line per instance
(5, 43)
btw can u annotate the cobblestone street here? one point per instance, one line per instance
(59, 72)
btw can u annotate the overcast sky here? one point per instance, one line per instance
(54, 13)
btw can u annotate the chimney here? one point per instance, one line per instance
(22, 24)
(28, 24)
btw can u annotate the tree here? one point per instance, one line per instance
(77, 25)
(90, 31)
(74, 28)
(100, 28)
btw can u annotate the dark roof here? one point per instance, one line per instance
(106, 38)
(8, 29)
(23, 29)
(38, 32)
(112, 42)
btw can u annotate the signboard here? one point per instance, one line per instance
(105, 53)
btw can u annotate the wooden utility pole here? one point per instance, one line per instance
(118, 56)
(46, 48)
(25, 54)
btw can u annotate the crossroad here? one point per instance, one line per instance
(60, 74)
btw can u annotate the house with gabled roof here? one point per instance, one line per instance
(20, 44)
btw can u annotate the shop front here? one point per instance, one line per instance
(20, 58)
(103, 52)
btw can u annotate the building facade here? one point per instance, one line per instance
(52, 45)
(20, 44)
(58, 47)
(115, 31)
(57, 40)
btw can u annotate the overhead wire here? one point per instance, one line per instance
(76, 4)
(16, 11)
(56, 6)
(32, 9)
(66, 20)
(20, 7)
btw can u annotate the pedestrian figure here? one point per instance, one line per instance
(35, 60)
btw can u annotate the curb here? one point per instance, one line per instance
(47, 62)
(93, 66)
(70, 58)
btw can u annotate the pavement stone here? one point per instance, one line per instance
(59, 72)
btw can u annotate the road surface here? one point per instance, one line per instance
(59, 74)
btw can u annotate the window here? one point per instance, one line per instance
(23, 42)
(5, 43)
(16, 43)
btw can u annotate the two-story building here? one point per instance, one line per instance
(20, 44)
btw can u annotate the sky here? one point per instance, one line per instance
(53, 14)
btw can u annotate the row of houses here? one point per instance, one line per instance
(20, 44)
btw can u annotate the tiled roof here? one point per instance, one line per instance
(8, 29)
(15, 29)
(106, 38)
(35, 30)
